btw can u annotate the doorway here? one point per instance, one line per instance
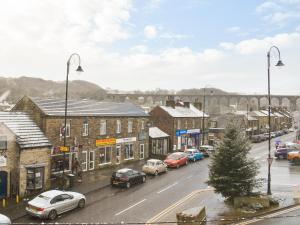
(3, 184)
(84, 160)
(118, 154)
(91, 160)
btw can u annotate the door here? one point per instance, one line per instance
(142, 151)
(118, 154)
(91, 160)
(84, 160)
(3, 184)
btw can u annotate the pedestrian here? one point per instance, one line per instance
(75, 166)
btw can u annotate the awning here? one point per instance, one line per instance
(155, 132)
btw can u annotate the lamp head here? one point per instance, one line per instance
(79, 69)
(279, 63)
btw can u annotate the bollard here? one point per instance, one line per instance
(17, 199)
(3, 202)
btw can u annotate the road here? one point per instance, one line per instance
(142, 202)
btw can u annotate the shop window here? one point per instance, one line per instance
(130, 125)
(35, 178)
(129, 151)
(118, 126)
(60, 162)
(102, 127)
(105, 155)
(3, 142)
(85, 129)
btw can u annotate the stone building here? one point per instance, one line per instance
(183, 122)
(24, 156)
(158, 142)
(99, 134)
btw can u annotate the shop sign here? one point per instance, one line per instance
(125, 140)
(64, 149)
(143, 136)
(193, 131)
(180, 132)
(3, 161)
(106, 141)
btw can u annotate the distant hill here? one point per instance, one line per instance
(208, 91)
(12, 89)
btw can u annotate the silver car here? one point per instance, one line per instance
(4, 220)
(52, 203)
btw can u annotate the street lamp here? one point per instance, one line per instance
(279, 63)
(79, 69)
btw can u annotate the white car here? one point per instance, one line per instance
(52, 203)
(210, 149)
(4, 220)
(154, 166)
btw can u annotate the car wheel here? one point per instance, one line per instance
(280, 156)
(177, 166)
(156, 173)
(144, 179)
(52, 215)
(128, 185)
(81, 203)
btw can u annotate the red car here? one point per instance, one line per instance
(176, 159)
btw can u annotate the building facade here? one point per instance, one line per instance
(183, 122)
(98, 134)
(24, 156)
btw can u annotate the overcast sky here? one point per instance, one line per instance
(143, 45)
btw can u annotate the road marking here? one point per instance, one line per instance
(166, 188)
(130, 207)
(171, 207)
(270, 215)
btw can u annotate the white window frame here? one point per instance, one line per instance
(119, 127)
(178, 124)
(105, 153)
(68, 129)
(186, 124)
(91, 162)
(142, 151)
(130, 126)
(132, 149)
(142, 125)
(85, 129)
(103, 124)
(118, 148)
(84, 165)
(193, 123)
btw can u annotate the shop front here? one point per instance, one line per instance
(188, 139)
(105, 150)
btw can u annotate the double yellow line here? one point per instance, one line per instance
(170, 208)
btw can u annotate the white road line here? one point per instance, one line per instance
(130, 207)
(166, 188)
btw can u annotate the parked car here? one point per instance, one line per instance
(282, 153)
(210, 149)
(154, 167)
(176, 159)
(294, 156)
(52, 203)
(194, 154)
(204, 152)
(4, 220)
(126, 177)
(256, 138)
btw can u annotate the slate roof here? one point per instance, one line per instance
(180, 111)
(27, 132)
(56, 107)
(155, 132)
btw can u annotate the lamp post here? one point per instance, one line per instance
(279, 63)
(79, 69)
(203, 116)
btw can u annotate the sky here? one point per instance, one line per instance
(145, 45)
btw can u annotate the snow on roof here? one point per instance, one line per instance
(258, 113)
(180, 111)
(27, 132)
(155, 132)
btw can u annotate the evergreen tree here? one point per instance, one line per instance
(232, 173)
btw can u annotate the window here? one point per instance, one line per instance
(129, 151)
(142, 125)
(102, 127)
(68, 129)
(178, 124)
(142, 151)
(3, 142)
(118, 126)
(58, 163)
(193, 124)
(130, 124)
(85, 129)
(186, 124)
(35, 178)
(105, 155)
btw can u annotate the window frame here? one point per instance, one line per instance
(129, 150)
(118, 126)
(103, 127)
(85, 129)
(3, 142)
(130, 126)
(106, 149)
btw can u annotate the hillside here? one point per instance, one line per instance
(12, 89)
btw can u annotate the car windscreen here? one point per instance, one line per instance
(176, 157)
(119, 175)
(43, 198)
(149, 163)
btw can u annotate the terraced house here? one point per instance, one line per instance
(99, 134)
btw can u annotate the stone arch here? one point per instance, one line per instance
(286, 103)
(213, 105)
(242, 103)
(224, 104)
(264, 102)
(127, 99)
(233, 102)
(149, 100)
(275, 102)
(141, 100)
(253, 104)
